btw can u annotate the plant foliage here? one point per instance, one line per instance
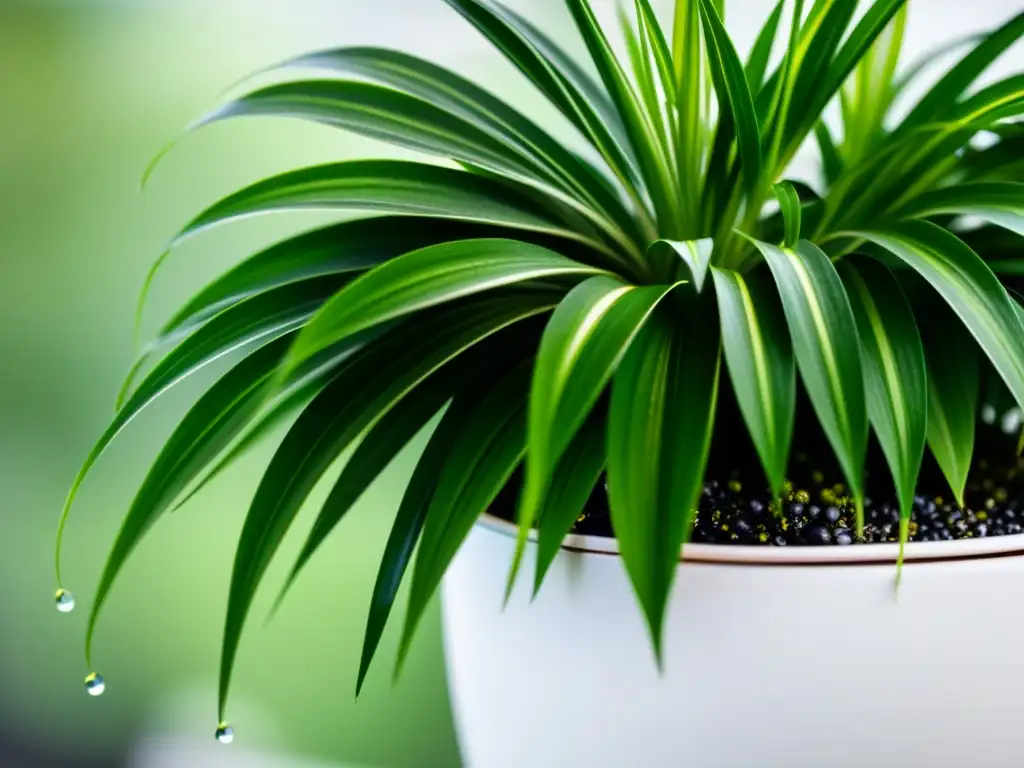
(576, 308)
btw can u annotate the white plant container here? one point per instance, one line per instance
(773, 658)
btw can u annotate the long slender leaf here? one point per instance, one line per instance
(953, 384)
(429, 277)
(257, 320)
(970, 288)
(653, 162)
(759, 356)
(581, 347)
(760, 54)
(895, 378)
(480, 463)
(206, 429)
(826, 345)
(408, 525)
(401, 424)
(465, 99)
(949, 90)
(391, 186)
(657, 449)
(999, 203)
(832, 163)
(563, 82)
(572, 484)
(365, 388)
(733, 92)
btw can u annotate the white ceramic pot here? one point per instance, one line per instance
(793, 658)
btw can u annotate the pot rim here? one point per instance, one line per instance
(1011, 545)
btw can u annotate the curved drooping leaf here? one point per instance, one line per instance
(463, 98)
(405, 420)
(953, 378)
(391, 186)
(998, 202)
(694, 254)
(789, 203)
(659, 431)
(582, 345)
(827, 349)
(259, 319)
(572, 483)
(348, 248)
(759, 357)
(482, 459)
(212, 423)
(733, 92)
(363, 390)
(562, 81)
(895, 378)
(968, 286)
(426, 278)
(406, 529)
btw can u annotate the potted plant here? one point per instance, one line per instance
(606, 339)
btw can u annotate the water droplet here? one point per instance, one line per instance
(225, 733)
(1012, 421)
(65, 601)
(94, 684)
(988, 413)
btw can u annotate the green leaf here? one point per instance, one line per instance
(942, 98)
(581, 347)
(657, 448)
(348, 248)
(760, 54)
(571, 486)
(257, 320)
(733, 92)
(895, 377)
(401, 424)
(649, 151)
(999, 203)
(953, 382)
(789, 204)
(364, 389)
(968, 286)
(392, 186)
(408, 525)
(695, 255)
(826, 345)
(216, 418)
(426, 278)
(560, 79)
(463, 98)
(759, 357)
(832, 163)
(480, 463)
(822, 74)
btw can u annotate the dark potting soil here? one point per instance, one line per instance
(816, 508)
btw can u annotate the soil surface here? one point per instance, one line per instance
(816, 508)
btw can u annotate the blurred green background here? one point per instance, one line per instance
(89, 90)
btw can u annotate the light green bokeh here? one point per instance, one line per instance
(86, 97)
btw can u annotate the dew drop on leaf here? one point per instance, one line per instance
(988, 413)
(225, 733)
(65, 601)
(94, 684)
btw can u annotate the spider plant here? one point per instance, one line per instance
(574, 308)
